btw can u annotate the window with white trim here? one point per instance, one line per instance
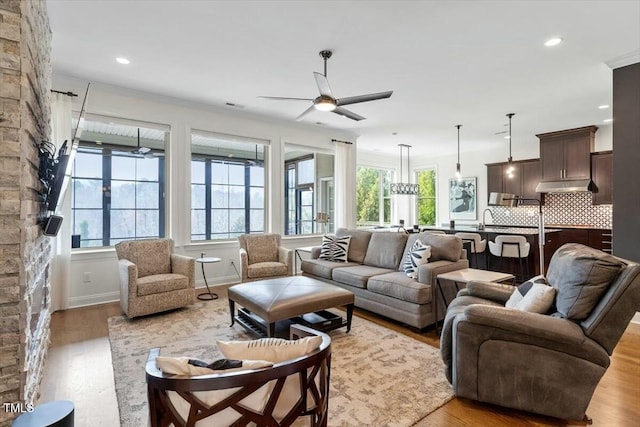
(373, 197)
(308, 191)
(427, 202)
(227, 186)
(118, 182)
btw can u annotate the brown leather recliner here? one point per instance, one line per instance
(544, 363)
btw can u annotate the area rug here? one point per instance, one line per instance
(378, 377)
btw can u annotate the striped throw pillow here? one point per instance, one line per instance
(418, 254)
(334, 248)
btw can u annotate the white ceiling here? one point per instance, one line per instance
(448, 62)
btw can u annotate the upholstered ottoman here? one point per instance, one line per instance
(285, 298)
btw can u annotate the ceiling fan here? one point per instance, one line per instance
(142, 151)
(326, 101)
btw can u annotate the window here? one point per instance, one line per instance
(373, 199)
(117, 191)
(227, 186)
(426, 202)
(308, 191)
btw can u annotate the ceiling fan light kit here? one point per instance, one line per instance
(326, 101)
(404, 188)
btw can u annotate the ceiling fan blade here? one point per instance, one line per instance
(323, 85)
(347, 113)
(363, 98)
(307, 111)
(283, 98)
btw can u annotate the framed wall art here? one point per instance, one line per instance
(463, 198)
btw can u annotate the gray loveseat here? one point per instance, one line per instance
(374, 273)
(544, 363)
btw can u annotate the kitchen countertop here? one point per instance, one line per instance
(500, 229)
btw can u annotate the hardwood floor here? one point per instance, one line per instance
(78, 368)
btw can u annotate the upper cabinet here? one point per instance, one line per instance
(525, 178)
(602, 176)
(565, 155)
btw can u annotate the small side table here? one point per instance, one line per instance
(460, 278)
(207, 296)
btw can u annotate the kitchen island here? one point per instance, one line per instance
(552, 239)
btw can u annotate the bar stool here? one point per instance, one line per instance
(512, 247)
(478, 246)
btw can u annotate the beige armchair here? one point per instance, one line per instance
(544, 363)
(262, 257)
(153, 278)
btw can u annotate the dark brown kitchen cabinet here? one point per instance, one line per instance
(512, 183)
(601, 239)
(530, 179)
(596, 238)
(566, 155)
(523, 182)
(602, 176)
(574, 235)
(494, 178)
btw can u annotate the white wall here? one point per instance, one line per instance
(93, 273)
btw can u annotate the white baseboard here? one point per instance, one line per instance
(84, 301)
(223, 280)
(636, 318)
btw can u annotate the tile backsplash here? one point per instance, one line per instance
(561, 208)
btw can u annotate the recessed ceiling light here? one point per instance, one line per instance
(607, 120)
(553, 42)
(507, 137)
(122, 60)
(603, 107)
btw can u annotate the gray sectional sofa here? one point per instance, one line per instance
(374, 273)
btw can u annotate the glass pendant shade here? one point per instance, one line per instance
(509, 171)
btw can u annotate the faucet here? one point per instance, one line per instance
(484, 220)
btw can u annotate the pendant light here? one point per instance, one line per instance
(509, 171)
(458, 175)
(400, 187)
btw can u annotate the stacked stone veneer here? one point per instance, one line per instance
(25, 254)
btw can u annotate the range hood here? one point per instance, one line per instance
(567, 186)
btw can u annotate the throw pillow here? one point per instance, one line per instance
(534, 296)
(272, 349)
(182, 366)
(334, 248)
(418, 254)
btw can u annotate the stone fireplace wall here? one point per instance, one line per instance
(25, 254)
